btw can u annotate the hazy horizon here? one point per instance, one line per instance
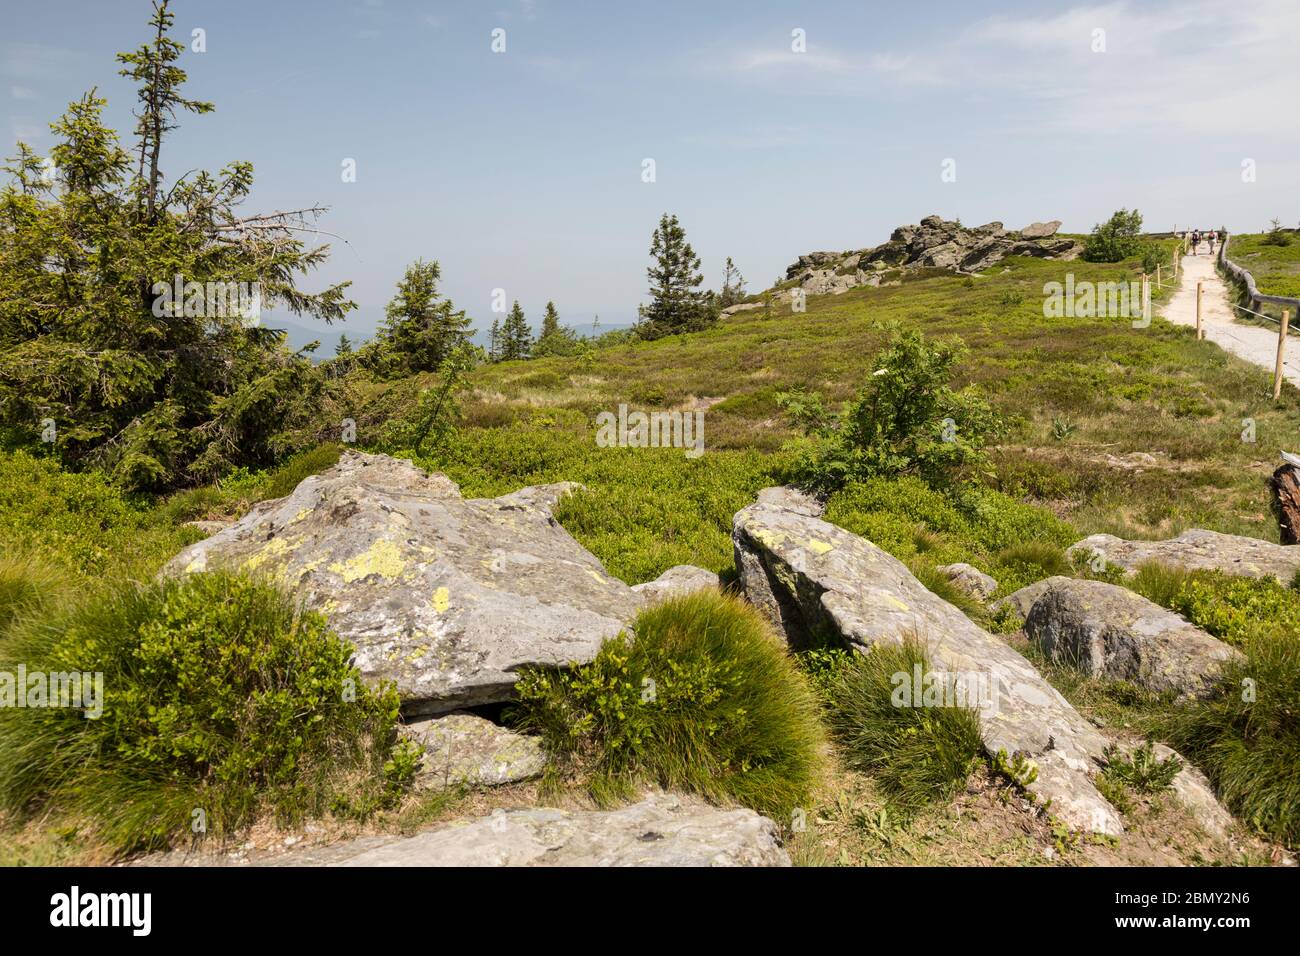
(522, 170)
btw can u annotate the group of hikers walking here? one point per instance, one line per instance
(1195, 237)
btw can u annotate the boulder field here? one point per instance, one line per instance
(449, 597)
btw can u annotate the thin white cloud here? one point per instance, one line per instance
(25, 131)
(35, 61)
(1198, 66)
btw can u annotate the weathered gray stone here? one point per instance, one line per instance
(1199, 550)
(446, 597)
(1040, 230)
(1108, 631)
(660, 830)
(806, 574)
(1024, 599)
(741, 307)
(209, 527)
(676, 581)
(541, 497)
(463, 748)
(1193, 791)
(970, 579)
(792, 499)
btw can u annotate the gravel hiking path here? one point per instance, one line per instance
(1252, 343)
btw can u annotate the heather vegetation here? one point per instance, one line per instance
(942, 417)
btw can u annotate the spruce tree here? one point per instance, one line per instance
(99, 330)
(151, 66)
(733, 285)
(550, 320)
(556, 339)
(516, 336)
(494, 342)
(421, 327)
(676, 302)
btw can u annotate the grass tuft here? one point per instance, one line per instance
(1247, 740)
(705, 699)
(917, 755)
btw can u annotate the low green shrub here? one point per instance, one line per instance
(917, 755)
(1234, 608)
(219, 701)
(1231, 608)
(906, 419)
(1141, 770)
(1017, 543)
(706, 699)
(80, 522)
(283, 479)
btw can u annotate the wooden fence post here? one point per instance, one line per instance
(1159, 284)
(1199, 333)
(1281, 348)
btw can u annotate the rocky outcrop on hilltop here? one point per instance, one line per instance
(933, 243)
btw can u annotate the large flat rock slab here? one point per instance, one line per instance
(660, 830)
(807, 574)
(1108, 631)
(1198, 550)
(446, 597)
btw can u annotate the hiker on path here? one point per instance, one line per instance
(1196, 241)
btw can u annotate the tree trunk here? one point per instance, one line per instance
(1286, 490)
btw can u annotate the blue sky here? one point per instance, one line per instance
(522, 170)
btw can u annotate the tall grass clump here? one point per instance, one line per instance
(1247, 739)
(221, 702)
(705, 699)
(1022, 564)
(917, 755)
(29, 585)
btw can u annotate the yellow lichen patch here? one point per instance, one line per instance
(896, 602)
(600, 578)
(441, 600)
(200, 563)
(819, 547)
(383, 558)
(768, 539)
(300, 515)
(310, 566)
(272, 549)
